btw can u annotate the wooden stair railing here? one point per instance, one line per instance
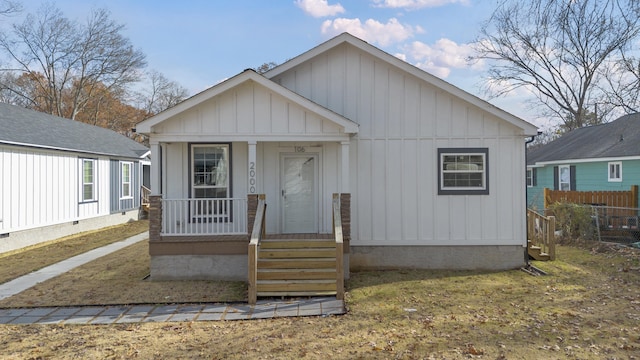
(257, 235)
(541, 244)
(296, 266)
(337, 234)
(145, 192)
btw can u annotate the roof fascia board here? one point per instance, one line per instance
(169, 138)
(77, 151)
(580, 161)
(529, 129)
(248, 75)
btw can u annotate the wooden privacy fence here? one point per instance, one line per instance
(621, 199)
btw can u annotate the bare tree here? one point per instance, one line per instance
(68, 60)
(265, 67)
(560, 51)
(623, 84)
(160, 93)
(10, 7)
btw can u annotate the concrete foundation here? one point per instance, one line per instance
(437, 257)
(20, 239)
(200, 267)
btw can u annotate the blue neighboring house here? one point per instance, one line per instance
(602, 157)
(59, 177)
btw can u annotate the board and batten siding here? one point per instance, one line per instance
(249, 109)
(403, 120)
(117, 202)
(40, 188)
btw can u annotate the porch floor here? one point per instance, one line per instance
(297, 236)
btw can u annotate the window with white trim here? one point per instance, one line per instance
(564, 177)
(125, 179)
(615, 171)
(531, 177)
(463, 171)
(88, 180)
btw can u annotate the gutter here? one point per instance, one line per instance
(526, 194)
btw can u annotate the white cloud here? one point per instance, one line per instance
(319, 8)
(371, 31)
(415, 4)
(441, 57)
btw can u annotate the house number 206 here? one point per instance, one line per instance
(252, 177)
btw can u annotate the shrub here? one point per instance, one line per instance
(574, 220)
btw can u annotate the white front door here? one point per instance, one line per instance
(299, 193)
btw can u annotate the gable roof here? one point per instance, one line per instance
(619, 138)
(24, 127)
(529, 129)
(248, 75)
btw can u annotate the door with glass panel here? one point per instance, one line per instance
(210, 182)
(299, 193)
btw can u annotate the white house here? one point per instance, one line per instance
(435, 175)
(59, 177)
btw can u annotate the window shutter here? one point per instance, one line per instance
(556, 178)
(572, 173)
(534, 177)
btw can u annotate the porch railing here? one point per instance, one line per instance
(204, 216)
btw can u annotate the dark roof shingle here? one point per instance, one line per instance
(619, 138)
(20, 126)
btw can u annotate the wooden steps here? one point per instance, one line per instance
(296, 267)
(536, 253)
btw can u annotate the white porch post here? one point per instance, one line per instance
(252, 170)
(155, 169)
(344, 179)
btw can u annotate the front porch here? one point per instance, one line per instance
(225, 239)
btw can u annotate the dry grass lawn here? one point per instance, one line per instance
(20, 262)
(588, 307)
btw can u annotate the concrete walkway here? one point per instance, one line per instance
(168, 313)
(265, 309)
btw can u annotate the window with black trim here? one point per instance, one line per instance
(210, 167)
(564, 177)
(463, 171)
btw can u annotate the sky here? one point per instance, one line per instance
(199, 43)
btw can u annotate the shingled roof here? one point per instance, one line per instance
(24, 127)
(619, 138)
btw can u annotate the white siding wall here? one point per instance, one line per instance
(403, 121)
(41, 188)
(249, 109)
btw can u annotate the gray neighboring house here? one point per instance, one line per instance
(602, 157)
(59, 177)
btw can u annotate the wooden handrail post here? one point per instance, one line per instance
(337, 234)
(551, 235)
(253, 274)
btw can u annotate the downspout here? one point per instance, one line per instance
(526, 196)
